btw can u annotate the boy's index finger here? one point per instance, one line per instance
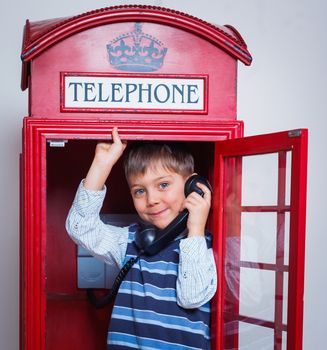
(204, 188)
(115, 135)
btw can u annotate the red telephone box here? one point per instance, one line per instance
(157, 74)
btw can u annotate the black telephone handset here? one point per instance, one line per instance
(150, 241)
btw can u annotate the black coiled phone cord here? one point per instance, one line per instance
(100, 302)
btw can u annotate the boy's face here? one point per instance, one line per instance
(158, 195)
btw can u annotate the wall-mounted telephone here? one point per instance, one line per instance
(149, 240)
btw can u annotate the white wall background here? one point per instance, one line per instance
(285, 88)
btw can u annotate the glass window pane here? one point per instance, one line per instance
(259, 179)
(284, 340)
(253, 337)
(285, 298)
(258, 237)
(287, 239)
(253, 261)
(257, 293)
(288, 177)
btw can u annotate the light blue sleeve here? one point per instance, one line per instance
(83, 224)
(197, 274)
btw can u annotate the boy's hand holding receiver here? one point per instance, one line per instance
(198, 208)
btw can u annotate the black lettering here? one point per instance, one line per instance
(156, 96)
(88, 87)
(116, 87)
(146, 89)
(180, 90)
(100, 94)
(75, 89)
(130, 88)
(192, 89)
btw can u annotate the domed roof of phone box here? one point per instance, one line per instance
(40, 35)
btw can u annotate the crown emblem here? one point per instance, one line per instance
(136, 51)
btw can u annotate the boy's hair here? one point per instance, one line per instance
(172, 156)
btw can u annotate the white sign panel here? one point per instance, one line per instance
(128, 93)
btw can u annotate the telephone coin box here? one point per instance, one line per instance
(92, 273)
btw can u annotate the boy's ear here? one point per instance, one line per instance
(187, 177)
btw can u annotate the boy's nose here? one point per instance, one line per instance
(152, 198)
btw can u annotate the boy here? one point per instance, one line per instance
(163, 303)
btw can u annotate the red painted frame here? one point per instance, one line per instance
(33, 221)
(295, 142)
(36, 133)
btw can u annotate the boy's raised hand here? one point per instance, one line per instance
(107, 153)
(198, 208)
(106, 156)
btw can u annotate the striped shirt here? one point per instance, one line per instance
(181, 279)
(146, 314)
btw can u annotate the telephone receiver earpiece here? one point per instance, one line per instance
(150, 240)
(191, 185)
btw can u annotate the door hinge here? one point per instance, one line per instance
(295, 133)
(57, 143)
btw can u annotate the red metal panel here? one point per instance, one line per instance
(86, 52)
(21, 246)
(226, 223)
(260, 144)
(79, 44)
(136, 130)
(32, 267)
(280, 244)
(297, 241)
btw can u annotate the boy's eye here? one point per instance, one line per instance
(163, 185)
(139, 192)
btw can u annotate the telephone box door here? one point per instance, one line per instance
(260, 245)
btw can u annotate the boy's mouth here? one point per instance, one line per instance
(157, 213)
